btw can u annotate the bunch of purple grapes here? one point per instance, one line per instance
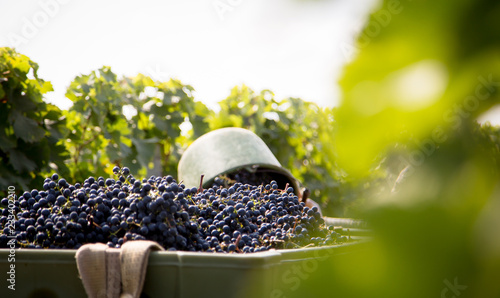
(242, 218)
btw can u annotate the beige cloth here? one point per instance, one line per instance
(111, 272)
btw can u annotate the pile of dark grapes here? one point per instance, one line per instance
(245, 177)
(241, 219)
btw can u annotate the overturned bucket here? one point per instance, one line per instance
(228, 150)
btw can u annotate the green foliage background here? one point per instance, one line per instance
(30, 129)
(146, 125)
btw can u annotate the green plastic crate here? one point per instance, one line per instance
(53, 273)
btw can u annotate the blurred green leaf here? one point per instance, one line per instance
(20, 162)
(408, 85)
(410, 102)
(6, 143)
(26, 128)
(145, 149)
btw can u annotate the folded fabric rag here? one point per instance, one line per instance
(114, 272)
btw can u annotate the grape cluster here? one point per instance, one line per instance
(242, 218)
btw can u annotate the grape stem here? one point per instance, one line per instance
(200, 189)
(237, 242)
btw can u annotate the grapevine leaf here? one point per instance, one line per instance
(145, 149)
(161, 124)
(21, 68)
(107, 74)
(125, 150)
(27, 129)
(112, 152)
(46, 87)
(23, 103)
(52, 112)
(6, 143)
(20, 162)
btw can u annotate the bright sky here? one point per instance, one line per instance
(291, 47)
